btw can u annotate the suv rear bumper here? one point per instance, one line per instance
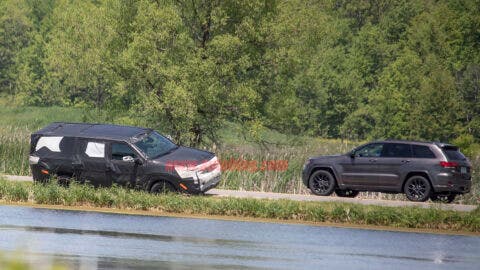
(447, 182)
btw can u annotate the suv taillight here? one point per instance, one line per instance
(448, 164)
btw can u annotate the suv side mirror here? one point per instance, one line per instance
(352, 154)
(138, 161)
(128, 159)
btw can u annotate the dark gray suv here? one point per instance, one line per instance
(421, 170)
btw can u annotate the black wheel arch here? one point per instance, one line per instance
(155, 180)
(324, 168)
(416, 173)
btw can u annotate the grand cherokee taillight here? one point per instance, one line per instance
(448, 164)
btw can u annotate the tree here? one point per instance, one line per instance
(15, 33)
(78, 59)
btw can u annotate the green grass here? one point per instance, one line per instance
(120, 198)
(17, 123)
(19, 261)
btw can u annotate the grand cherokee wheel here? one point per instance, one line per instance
(321, 183)
(443, 198)
(346, 193)
(417, 188)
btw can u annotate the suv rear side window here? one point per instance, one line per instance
(422, 151)
(120, 150)
(396, 150)
(453, 153)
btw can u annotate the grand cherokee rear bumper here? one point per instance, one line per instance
(447, 182)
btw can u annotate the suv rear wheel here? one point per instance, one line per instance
(417, 188)
(322, 183)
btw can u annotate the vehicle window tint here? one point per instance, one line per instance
(120, 150)
(95, 150)
(453, 153)
(396, 150)
(371, 150)
(422, 151)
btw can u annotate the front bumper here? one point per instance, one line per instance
(196, 187)
(207, 176)
(210, 184)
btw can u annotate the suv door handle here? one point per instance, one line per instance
(405, 161)
(372, 160)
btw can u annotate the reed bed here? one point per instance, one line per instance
(121, 198)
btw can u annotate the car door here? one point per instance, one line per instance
(124, 168)
(91, 162)
(391, 163)
(361, 169)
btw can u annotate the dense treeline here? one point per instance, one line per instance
(333, 68)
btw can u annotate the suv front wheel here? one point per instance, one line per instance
(417, 188)
(322, 183)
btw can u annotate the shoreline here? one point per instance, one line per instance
(156, 213)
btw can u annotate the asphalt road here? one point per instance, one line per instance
(299, 197)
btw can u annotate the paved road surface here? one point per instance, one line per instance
(298, 197)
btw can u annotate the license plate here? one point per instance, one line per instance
(463, 169)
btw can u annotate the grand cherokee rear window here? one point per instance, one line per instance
(453, 153)
(421, 151)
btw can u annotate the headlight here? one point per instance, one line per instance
(185, 172)
(306, 164)
(33, 160)
(196, 172)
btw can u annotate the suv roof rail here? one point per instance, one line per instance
(413, 141)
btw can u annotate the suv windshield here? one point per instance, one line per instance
(155, 145)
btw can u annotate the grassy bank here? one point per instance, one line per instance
(341, 213)
(17, 123)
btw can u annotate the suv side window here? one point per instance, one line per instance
(95, 149)
(422, 151)
(398, 150)
(371, 150)
(120, 150)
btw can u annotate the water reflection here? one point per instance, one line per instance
(87, 240)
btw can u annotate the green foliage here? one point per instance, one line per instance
(15, 33)
(336, 69)
(468, 146)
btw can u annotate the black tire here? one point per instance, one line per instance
(417, 188)
(162, 187)
(64, 180)
(322, 183)
(443, 198)
(347, 193)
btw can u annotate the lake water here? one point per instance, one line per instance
(90, 240)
